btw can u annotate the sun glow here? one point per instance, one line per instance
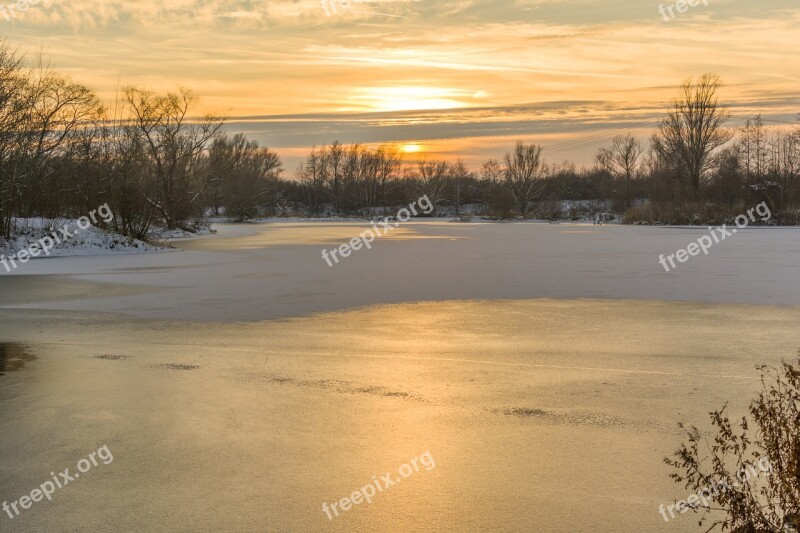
(409, 98)
(411, 148)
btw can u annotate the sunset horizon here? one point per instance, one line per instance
(458, 79)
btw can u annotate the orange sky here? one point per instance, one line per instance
(459, 78)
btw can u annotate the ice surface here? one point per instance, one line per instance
(253, 272)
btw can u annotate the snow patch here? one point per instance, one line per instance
(89, 241)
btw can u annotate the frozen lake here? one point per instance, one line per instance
(242, 383)
(257, 272)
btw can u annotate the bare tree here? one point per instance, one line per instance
(13, 105)
(350, 186)
(770, 162)
(523, 173)
(459, 179)
(390, 163)
(312, 174)
(334, 163)
(622, 161)
(174, 141)
(123, 172)
(431, 179)
(247, 173)
(785, 161)
(753, 148)
(491, 171)
(41, 115)
(693, 128)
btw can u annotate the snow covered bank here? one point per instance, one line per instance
(74, 241)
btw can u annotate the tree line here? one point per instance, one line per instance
(695, 168)
(63, 153)
(155, 163)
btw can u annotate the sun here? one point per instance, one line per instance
(411, 148)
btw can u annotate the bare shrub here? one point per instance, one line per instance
(772, 432)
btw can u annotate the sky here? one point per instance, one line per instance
(452, 78)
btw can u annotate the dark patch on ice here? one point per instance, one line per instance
(111, 357)
(382, 391)
(340, 386)
(176, 366)
(13, 357)
(331, 382)
(593, 419)
(524, 412)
